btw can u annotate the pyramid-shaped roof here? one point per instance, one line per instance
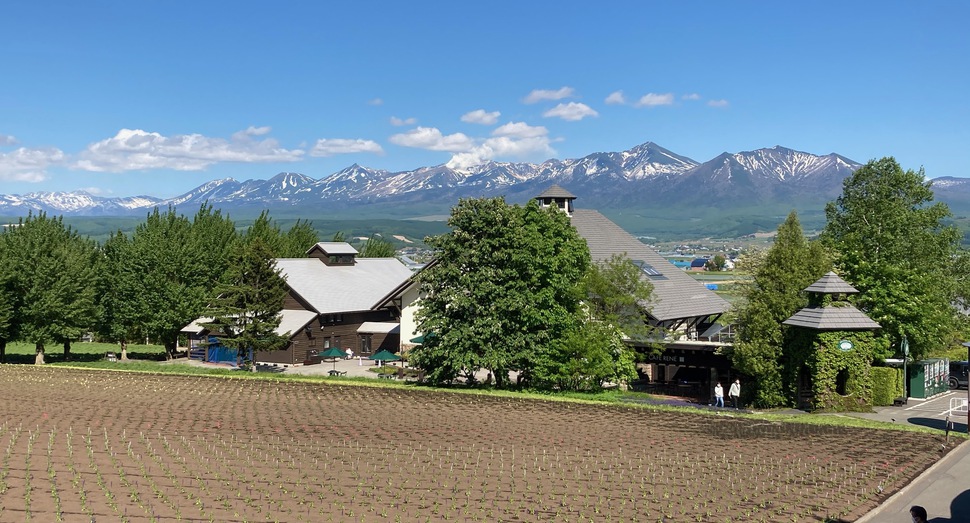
(556, 192)
(844, 318)
(831, 284)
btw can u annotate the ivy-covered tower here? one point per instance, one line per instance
(830, 347)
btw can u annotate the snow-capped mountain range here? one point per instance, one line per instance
(645, 175)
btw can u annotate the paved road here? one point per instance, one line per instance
(931, 413)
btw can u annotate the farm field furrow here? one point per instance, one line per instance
(80, 445)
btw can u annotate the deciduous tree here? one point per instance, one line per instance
(181, 262)
(54, 272)
(895, 248)
(502, 291)
(616, 298)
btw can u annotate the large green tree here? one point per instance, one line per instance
(502, 291)
(53, 279)
(776, 292)
(161, 278)
(616, 298)
(290, 244)
(119, 285)
(9, 297)
(893, 245)
(377, 247)
(298, 240)
(180, 263)
(246, 309)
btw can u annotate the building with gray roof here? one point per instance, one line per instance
(681, 306)
(334, 300)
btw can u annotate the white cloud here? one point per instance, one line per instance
(718, 103)
(691, 96)
(615, 98)
(538, 95)
(375, 101)
(514, 140)
(573, 111)
(28, 165)
(520, 130)
(94, 191)
(502, 147)
(653, 99)
(399, 122)
(332, 146)
(431, 139)
(481, 116)
(250, 131)
(135, 149)
(7, 140)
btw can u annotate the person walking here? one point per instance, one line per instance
(735, 393)
(718, 395)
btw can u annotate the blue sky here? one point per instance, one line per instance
(156, 98)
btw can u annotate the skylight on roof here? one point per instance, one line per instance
(648, 269)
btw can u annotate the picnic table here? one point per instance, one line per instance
(336, 372)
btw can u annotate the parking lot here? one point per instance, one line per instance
(932, 412)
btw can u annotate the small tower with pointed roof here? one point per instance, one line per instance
(558, 197)
(830, 347)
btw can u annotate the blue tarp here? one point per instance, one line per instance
(217, 353)
(711, 286)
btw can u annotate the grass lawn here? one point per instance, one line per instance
(20, 352)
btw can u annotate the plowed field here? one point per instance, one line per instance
(78, 445)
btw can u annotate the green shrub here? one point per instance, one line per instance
(887, 385)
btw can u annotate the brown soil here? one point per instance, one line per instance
(87, 445)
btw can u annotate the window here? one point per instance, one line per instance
(326, 342)
(649, 270)
(365, 343)
(336, 341)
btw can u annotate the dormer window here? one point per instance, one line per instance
(334, 253)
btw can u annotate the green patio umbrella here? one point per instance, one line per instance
(335, 353)
(384, 355)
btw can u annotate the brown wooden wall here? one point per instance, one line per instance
(332, 326)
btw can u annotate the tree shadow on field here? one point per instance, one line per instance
(79, 357)
(939, 424)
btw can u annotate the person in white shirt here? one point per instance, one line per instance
(735, 393)
(718, 395)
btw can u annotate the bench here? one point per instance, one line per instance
(337, 372)
(386, 376)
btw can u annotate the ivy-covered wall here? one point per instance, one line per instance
(822, 358)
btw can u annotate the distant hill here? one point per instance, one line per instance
(652, 189)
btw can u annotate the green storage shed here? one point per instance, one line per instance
(928, 377)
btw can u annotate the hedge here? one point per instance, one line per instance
(887, 385)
